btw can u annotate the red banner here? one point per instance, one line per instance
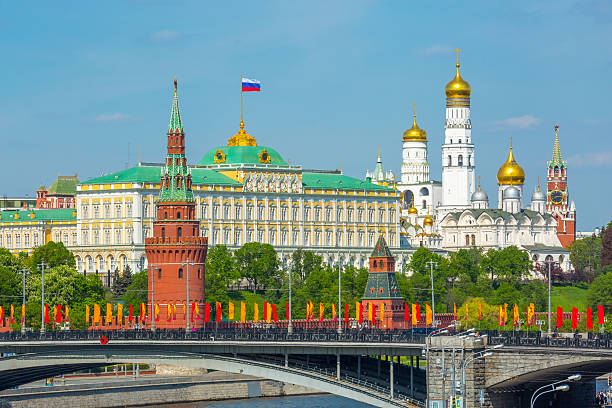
(574, 318)
(589, 318)
(207, 312)
(600, 314)
(559, 316)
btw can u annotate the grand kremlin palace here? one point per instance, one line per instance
(244, 193)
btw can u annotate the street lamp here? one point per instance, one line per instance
(42, 266)
(549, 307)
(24, 272)
(290, 324)
(427, 340)
(554, 387)
(340, 296)
(433, 304)
(188, 306)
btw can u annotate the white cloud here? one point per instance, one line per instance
(165, 35)
(520, 122)
(436, 50)
(599, 159)
(111, 117)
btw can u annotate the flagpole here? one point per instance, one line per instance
(241, 98)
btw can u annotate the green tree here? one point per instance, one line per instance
(65, 286)
(121, 283)
(509, 264)
(600, 291)
(10, 279)
(258, 264)
(220, 273)
(585, 254)
(420, 280)
(52, 254)
(138, 291)
(304, 262)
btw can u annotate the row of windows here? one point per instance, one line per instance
(120, 236)
(316, 238)
(460, 160)
(106, 210)
(27, 240)
(319, 214)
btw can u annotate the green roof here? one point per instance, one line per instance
(496, 213)
(387, 281)
(381, 250)
(338, 181)
(242, 154)
(152, 174)
(60, 214)
(64, 185)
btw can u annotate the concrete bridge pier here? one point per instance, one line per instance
(447, 359)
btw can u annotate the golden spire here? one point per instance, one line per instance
(428, 220)
(510, 172)
(458, 88)
(415, 133)
(242, 138)
(538, 183)
(175, 86)
(412, 210)
(478, 183)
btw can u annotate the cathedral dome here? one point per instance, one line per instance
(412, 210)
(458, 87)
(415, 133)
(511, 193)
(510, 172)
(428, 220)
(479, 195)
(538, 196)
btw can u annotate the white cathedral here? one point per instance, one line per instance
(455, 213)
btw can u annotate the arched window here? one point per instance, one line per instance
(180, 273)
(163, 234)
(165, 215)
(178, 215)
(467, 240)
(473, 240)
(459, 141)
(450, 160)
(179, 232)
(460, 160)
(375, 263)
(408, 197)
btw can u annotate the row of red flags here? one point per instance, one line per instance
(62, 313)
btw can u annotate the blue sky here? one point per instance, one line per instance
(86, 87)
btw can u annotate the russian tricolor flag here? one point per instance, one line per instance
(250, 85)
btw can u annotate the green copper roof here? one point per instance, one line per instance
(152, 174)
(64, 185)
(176, 125)
(338, 181)
(381, 250)
(387, 281)
(63, 214)
(242, 154)
(557, 159)
(496, 213)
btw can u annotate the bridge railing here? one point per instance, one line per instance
(227, 334)
(535, 339)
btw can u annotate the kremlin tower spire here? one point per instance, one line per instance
(557, 196)
(176, 253)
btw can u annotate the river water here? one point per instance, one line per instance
(307, 401)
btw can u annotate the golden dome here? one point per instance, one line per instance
(428, 220)
(412, 210)
(242, 138)
(458, 87)
(510, 172)
(415, 133)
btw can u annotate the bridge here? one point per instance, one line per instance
(325, 361)
(373, 366)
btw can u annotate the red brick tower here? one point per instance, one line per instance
(557, 197)
(176, 236)
(382, 288)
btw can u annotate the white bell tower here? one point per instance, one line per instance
(458, 161)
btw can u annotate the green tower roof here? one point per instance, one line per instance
(176, 124)
(381, 250)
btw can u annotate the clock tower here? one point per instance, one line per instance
(557, 197)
